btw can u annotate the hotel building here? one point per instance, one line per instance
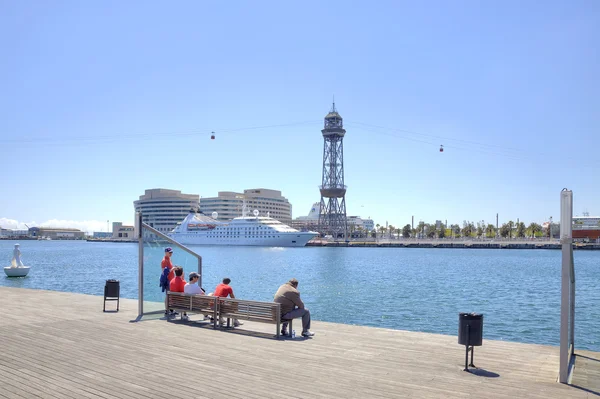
(229, 205)
(162, 209)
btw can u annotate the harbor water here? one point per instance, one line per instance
(518, 291)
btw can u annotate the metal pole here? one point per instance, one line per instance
(200, 271)
(140, 265)
(566, 238)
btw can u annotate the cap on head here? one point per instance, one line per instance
(193, 275)
(293, 282)
(169, 249)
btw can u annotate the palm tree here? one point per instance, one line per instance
(520, 229)
(376, 229)
(511, 225)
(505, 230)
(490, 231)
(406, 230)
(391, 229)
(534, 228)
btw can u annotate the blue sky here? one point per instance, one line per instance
(103, 100)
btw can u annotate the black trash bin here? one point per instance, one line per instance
(470, 334)
(112, 289)
(470, 329)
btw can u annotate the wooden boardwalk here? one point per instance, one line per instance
(61, 345)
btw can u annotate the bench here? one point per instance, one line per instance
(262, 312)
(194, 304)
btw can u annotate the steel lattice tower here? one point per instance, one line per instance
(332, 218)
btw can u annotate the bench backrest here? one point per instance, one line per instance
(250, 310)
(194, 303)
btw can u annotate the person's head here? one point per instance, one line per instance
(293, 282)
(193, 277)
(178, 271)
(168, 251)
(226, 280)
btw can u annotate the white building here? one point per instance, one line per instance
(311, 221)
(229, 204)
(162, 209)
(123, 232)
(13, 233)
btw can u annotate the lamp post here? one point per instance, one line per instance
(550, 229)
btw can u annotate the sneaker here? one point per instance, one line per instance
(307, 333)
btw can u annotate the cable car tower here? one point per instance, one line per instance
(332, 218)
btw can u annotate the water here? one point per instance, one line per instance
(518, 291)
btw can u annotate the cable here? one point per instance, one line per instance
(194, 132)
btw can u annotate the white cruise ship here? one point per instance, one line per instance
(199, 229)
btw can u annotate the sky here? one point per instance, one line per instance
(100, 101)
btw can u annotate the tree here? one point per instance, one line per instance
(442, 232)
(456, 230)
(377, 226)
(398, 232)
(406, 230)
(421, 228)
(431, 232)
(468, 228)
(490, 231)
(505, 230)
(511, 225)
(534, 229)
(520, 229)
(479, 230)
(391, 229)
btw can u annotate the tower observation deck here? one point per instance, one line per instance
(332, 218)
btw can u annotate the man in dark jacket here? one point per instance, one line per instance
(292, 306)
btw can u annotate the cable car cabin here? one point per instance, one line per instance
(212, 136)
(441, 148)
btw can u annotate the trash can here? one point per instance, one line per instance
(112, 289)
(470, 334)
(470, 329)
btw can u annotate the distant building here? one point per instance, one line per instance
(57, 233)
(162, 209)
(102, 234)
(586, 228)
(13, 233)
(120, 231)
(229, 204)
(364, 224)
(311, 221)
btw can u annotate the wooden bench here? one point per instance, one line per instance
(194, 304)
(263, 312)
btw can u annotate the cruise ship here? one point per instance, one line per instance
(199, 229)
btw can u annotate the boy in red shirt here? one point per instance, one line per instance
(177, 284)
(223, 290)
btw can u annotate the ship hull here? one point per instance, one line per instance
(285, 240)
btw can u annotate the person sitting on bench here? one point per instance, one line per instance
(292, 307)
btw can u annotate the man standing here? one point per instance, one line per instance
(292, 307)
(223, 290)
(166, 265)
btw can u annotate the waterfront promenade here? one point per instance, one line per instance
(61, 345)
